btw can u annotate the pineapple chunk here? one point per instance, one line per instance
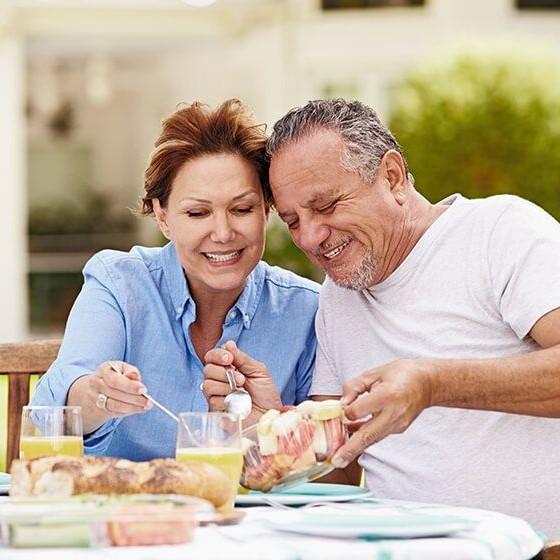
(285, 423)
(320, 439)
(326, 410)
(268, 444)
(264, 424)
(306, 407)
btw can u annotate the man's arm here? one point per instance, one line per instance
(396, 393)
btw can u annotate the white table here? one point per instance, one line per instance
(495, 537)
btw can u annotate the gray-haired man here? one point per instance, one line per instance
(442, 320)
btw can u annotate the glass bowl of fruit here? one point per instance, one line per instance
(292, 445)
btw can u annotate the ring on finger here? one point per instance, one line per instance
(101, 401)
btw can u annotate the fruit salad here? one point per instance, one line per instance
(292, 444)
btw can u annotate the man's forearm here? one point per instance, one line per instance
(525, 384)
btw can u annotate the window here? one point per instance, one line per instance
(348, 4)
(533, 4)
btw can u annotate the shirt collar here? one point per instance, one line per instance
(176, 281)
(246, 303)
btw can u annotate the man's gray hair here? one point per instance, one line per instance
(366, 139)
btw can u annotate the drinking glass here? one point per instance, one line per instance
(213, 438)
(51, 430)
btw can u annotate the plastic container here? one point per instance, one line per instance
(292, 445)
(93, 520)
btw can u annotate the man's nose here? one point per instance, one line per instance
(310, 234)
(222, 230)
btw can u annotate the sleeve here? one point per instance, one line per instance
(95, 332)
(326, 381)
(524, 264)
(305, 367)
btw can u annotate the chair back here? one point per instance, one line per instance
(21, 365)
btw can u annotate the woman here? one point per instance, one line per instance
(155, 313)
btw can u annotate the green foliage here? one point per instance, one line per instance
(483, 125)
(91, 215)
(281, 251)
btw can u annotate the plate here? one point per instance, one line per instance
(304, 494)
(371, 524)
(4, 483)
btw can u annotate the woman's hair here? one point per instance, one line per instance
(197, 130)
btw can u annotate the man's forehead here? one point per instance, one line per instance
(316, 146)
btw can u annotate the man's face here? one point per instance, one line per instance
(349, 228)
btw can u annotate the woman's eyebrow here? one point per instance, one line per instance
(203, 200)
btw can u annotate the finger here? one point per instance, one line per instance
(128, 370)
(119, 408)
(364, 405)
(354, 426)
(137, 401)
(218, 373)
(122, 383)
(218, 356)
(359, 385)
(243, 362)
(215, 388)
(216, 404)
(371, 433)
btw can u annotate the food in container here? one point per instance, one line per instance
(84, 521)
(292, 445)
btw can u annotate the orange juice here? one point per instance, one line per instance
(228, 459)
(40, 446)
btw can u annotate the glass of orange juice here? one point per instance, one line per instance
(214, 438)
(51, 430)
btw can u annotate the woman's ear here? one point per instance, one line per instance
(161, 217)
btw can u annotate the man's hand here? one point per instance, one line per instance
(251, 375)
(393, 394)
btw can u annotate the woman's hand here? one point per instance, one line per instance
(123, 394)
(124, 390)
(253, 376)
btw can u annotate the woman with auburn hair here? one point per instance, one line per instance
(157, 313)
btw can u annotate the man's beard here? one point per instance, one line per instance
(361, 278)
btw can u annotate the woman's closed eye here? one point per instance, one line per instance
(197, 213)
(243, 210)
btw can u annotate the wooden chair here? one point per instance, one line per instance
(21, 365)
(551, 551)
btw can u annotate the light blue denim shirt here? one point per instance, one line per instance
(136, 307)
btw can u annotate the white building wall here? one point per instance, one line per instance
(13, 248)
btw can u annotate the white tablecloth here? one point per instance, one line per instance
(494, 537)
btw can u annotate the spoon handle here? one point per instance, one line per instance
(162, 408)
(231, 378)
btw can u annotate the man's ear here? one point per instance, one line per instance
(160, 215)
(395, 175)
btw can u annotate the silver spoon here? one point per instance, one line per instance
(238, 401)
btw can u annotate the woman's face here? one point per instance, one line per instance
(216, 218)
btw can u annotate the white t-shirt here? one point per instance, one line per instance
(472, 287)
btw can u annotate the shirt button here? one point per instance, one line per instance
(232, 315)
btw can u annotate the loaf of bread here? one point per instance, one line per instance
(66, 476)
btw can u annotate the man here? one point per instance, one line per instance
(441, 321)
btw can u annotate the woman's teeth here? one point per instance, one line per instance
(337, 250)
(214, 257)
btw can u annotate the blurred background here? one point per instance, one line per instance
(471, 88)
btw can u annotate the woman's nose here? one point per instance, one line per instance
(222, 231)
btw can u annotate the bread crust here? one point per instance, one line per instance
(67, 476)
